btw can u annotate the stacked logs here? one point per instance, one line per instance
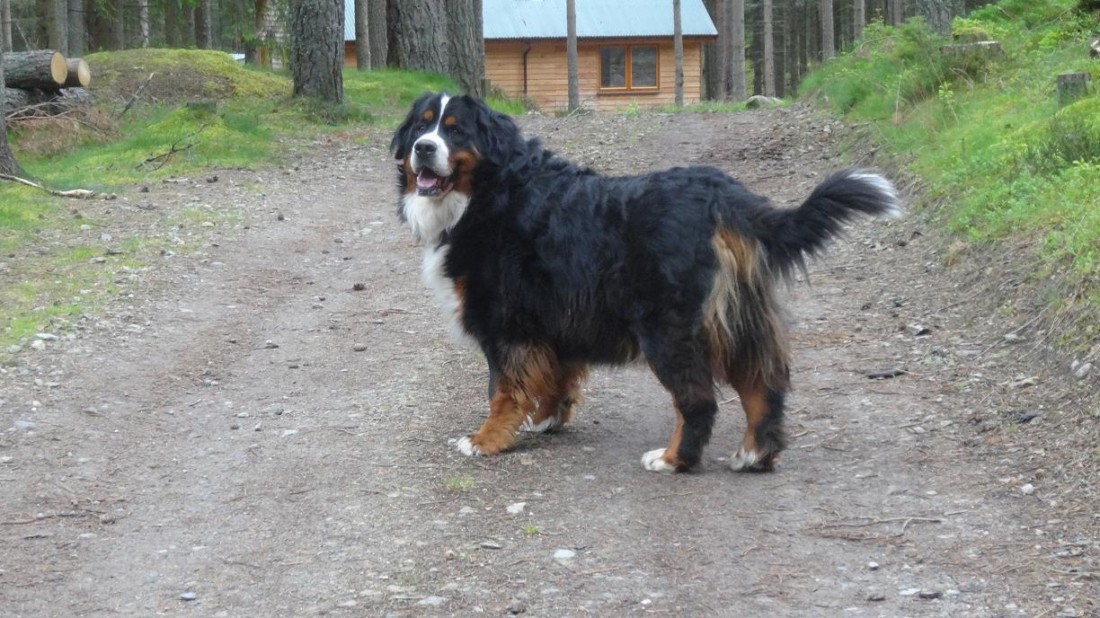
(44, 82)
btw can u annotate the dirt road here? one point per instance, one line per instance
(259, 426)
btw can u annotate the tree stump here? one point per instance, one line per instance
(1072, 86)
(43, 68)
(79, 75)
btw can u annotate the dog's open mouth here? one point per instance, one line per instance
(430, 184)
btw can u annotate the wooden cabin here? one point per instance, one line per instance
(624, 48)
(624, 51)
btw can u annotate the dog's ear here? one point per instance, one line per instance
(399, 145)
(498, 137)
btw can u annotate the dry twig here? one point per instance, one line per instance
(80, 194)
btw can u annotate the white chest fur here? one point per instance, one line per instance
(443, 289)
(428, 218)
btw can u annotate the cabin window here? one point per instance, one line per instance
(628, 67)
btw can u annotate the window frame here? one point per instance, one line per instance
(629, 56)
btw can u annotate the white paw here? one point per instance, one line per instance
(543, 426)
(743, 460)
(466, 447)
(653, 462)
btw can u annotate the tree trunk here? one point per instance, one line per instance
(362, 36)
(143, 23)
(938, 14)
(756, 50)
(572, 62)
(828, 45)
(466, 45)
(794, 19)
(5, 25)
(59, 25)
(418, 35)
(859, 18)
(713, 52)
(118, 21)
(204, 27)
(779, 46)
(678, 52)
(43, 68)
(172, 19)
(317, 48)
(894, 11)
(7, 160)
(769, 51)
(736, 16)
(256, 39)
(379, 37)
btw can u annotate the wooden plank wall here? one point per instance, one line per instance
(547, 83)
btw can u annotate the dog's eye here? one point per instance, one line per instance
(456, 130)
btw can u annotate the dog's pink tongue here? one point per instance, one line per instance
(426, 179)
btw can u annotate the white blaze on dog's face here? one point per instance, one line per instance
(430, 158)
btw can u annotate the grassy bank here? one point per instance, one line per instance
(1007, 167)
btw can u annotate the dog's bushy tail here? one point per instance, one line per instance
(794, 235)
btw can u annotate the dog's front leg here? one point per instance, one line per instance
(508, 408)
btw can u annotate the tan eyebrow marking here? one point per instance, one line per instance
(428, 115)
(450, 121)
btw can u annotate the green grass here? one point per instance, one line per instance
(1004, 164)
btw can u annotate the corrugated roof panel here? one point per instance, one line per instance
(540, 19)
(545, 19)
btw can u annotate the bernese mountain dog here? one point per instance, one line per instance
(549, 267)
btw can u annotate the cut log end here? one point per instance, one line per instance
(59, 68)
(78, 74)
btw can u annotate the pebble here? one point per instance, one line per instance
(47, 336)
(432, 601)
(876, 597)
(188, 596)
(565, 554)
(467, 510)
(1082, 371)
(1027, 489)
(517, 508)
(929, 594)
(25, 425)
(908, 592)
(872, 566)
(38, 344)
(517, 607)
(491, 545)
(359, 347)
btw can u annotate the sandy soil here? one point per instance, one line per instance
(259, 424)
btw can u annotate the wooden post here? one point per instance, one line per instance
(1072, 86)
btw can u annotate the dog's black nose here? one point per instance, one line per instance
(424, 148)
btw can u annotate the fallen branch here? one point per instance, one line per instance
(134, 98)
(80, 194)
(162, 159)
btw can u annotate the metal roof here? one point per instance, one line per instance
(545, 19)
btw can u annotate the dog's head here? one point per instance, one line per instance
(444, 139)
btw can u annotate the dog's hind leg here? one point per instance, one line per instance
(526, 374)
(556, 409)
(764, 438)
(680, 364)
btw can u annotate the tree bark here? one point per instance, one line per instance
(317, 48)
(895, 16)
(678, 52)
(172, 19)
(204, 27)
(769, 50)
(715, 53)
(362, 36)
(143, 23)
(19, 102)
(5, 25)
(466, 45)
(418, 35)
(828, 44)
(736, 58)
(938, 14)
(43, 68)
(779, 45)
(255, 41)
(859, 18)
(379, 34)
(572, 63)
(7, 159)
